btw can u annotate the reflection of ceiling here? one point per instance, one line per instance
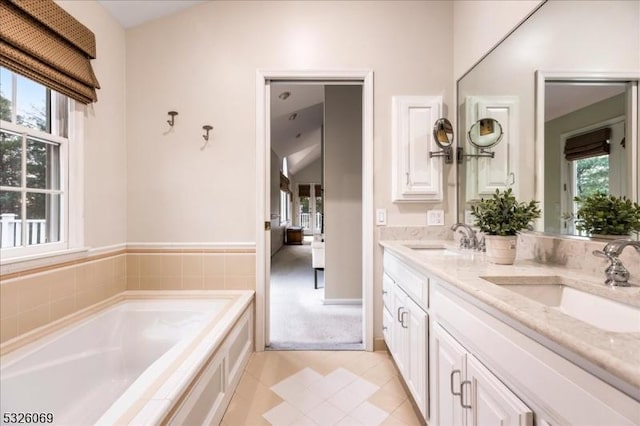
(130, 13)
(298, 140)
(563, 98)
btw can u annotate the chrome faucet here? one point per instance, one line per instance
(469, 240)
(617, 274)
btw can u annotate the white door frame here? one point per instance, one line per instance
(263, 158)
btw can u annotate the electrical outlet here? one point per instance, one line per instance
(381, 216)
(435, 217)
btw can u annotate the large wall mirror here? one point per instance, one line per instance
(564, 87)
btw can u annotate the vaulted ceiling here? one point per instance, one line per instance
(296, 123)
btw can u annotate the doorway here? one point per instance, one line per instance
(316, 136)
(265, 80)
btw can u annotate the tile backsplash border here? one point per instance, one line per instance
(573, 253)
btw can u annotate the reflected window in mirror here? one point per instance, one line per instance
(585, 149)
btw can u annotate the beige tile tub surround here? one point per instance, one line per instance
(33, 298)
(191, 270)
(28, 301)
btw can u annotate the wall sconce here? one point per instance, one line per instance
(173, 118)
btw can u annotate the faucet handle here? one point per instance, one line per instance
(601, 253)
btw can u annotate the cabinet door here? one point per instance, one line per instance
(387, 328)
(400, 347)
(416, 175)
(448, 362)
(489, 401)
(486, 174)
(416, 321)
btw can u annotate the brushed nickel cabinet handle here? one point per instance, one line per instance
(453, 392)
(466, 382)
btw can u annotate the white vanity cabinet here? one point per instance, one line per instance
(416, 175)
(465, 392)
(405, 326)
(484, 371)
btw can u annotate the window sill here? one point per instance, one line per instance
(23, 263)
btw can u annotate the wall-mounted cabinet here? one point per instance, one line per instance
(416, 176)
(485, 174)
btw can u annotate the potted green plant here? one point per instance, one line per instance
(500, 218)
(601, 215)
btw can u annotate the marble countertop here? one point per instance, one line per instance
(616, 353)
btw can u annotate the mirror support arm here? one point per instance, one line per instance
(447, 153)
(460, 154)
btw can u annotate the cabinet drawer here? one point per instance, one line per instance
(413, 283)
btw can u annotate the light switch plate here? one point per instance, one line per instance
(381, 216)
(435, 217)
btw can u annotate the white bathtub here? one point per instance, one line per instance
(137, 361)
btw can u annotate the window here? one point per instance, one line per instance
(35, 148)
(285, 207)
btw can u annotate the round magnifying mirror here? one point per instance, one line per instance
(485, 133)
(443, 133)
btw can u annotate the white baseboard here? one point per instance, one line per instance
(342, 301)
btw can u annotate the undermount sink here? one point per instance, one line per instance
(593, 309)
(433, 249)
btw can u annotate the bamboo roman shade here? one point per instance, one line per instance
(304, 190)
(588, 145)
(41, 41)
(284, 183)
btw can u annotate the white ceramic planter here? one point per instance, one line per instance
(501, 250)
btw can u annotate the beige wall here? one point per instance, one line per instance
(343, 192)
(480, 25)
(105, 183)
(202, 63)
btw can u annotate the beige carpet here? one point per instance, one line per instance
(298, 318)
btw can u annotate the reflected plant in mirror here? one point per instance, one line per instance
(606, 215)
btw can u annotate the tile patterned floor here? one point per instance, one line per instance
(320, 388)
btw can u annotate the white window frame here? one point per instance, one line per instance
(285, 207)
(71, 237)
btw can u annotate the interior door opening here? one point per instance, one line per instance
(316, 216)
